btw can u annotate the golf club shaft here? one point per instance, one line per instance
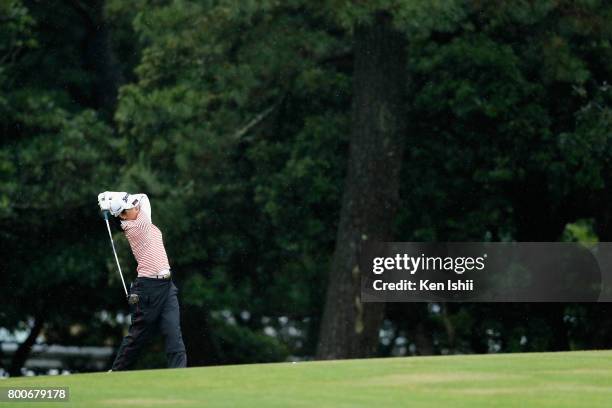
(116, 259)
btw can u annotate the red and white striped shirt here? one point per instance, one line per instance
(146, 241)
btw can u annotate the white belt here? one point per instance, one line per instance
(165, 274)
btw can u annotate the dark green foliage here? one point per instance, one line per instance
(234, 117)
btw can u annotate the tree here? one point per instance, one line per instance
(371, 194)
(236, 118)
(50, 151)
(236, 124)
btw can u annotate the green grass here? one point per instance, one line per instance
(574, 379)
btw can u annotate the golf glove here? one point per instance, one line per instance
(113, 201)
(103, 202)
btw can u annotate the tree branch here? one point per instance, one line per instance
(23, 351)
(239, 134)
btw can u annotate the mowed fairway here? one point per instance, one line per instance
(573, 379)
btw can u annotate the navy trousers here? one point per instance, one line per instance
(156, 310)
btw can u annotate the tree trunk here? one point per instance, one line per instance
(555, 312)
(23, 351)
(449, 327)
(101, 57)
(349, 328)
(423, 340)
(98, 55)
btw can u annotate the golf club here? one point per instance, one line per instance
(131, 298)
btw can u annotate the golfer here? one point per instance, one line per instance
(155, 306)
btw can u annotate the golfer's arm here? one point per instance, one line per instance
(145, 207)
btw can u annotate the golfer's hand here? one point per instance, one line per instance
(112, 201)
(104, 200)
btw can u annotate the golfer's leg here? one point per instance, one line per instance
(139, 333)
(170, 325)
(177, 360)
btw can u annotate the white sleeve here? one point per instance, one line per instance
(145, 205)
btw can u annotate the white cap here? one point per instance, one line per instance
(122, 201)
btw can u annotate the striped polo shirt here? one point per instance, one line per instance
(146, 241)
